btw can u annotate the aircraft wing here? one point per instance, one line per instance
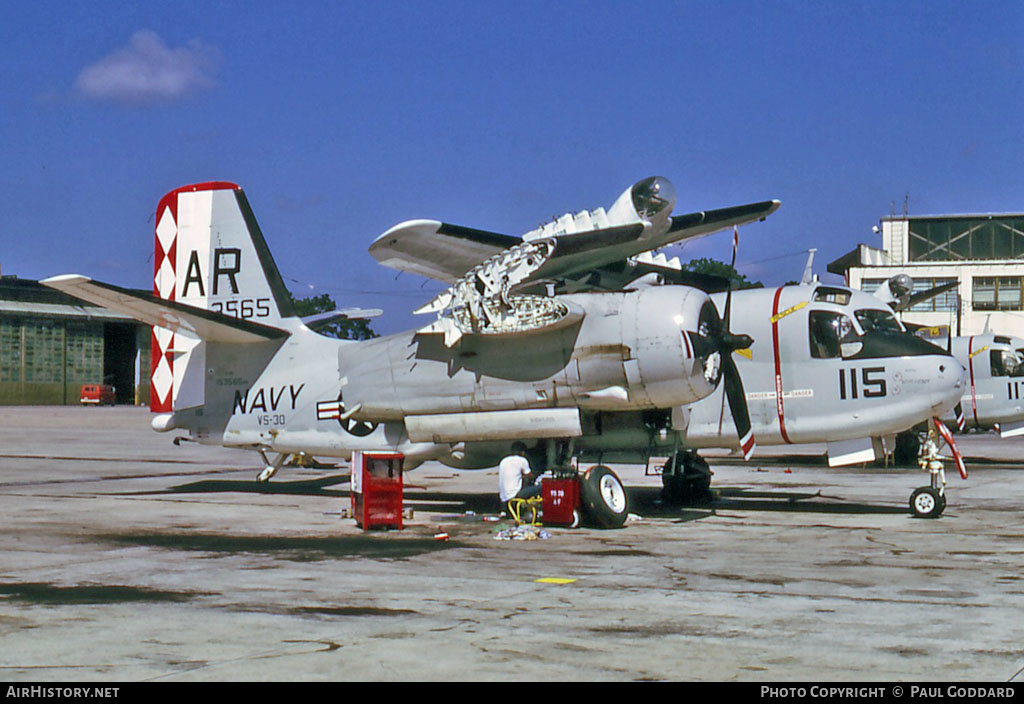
(179, 317)
(446, 252)
(437, 250)
(922, 296)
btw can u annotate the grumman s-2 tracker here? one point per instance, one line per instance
(554, 337)
(994, 391)
(995, 397)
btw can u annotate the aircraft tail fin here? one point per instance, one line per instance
(210, 256)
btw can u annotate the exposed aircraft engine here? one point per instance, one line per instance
(482, 301)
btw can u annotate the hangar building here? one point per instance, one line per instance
(984, 253)
(51, 344)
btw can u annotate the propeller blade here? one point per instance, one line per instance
(961, 419)
(737, 404)
(726, 318)
(948, 437)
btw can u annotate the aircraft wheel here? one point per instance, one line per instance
(689, 483)
(927, 502)
(604, 497)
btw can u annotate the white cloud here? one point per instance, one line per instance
(147, 71)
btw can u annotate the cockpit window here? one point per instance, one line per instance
(828, 332)
(827, 294)
(1007, 363)
(873, 319)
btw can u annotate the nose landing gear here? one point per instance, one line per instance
(930, 501)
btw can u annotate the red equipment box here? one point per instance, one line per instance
(377, 489)
(561, 500)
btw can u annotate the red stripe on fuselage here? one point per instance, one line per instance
(778, 368)
(970, 363)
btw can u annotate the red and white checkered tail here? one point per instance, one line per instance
(211, 255)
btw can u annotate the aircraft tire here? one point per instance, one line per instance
(927, 502)
(604, 497)
(686, 480)
(685, 490)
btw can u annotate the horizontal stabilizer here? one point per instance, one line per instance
(321, 320)
(179, 317)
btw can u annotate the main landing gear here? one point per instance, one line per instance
(686, 479)
(604, 498)
(270, 468)
(930, 501)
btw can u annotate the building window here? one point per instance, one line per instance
(997, 293)
(10, 350)
(959, 239)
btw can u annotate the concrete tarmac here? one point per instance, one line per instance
(125, 558)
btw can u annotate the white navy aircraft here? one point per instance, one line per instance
(994, 393)
(993, 397)
(561, 337)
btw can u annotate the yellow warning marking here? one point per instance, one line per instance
(555, 580)
(746, 352)
(975, 353)
(782, 314)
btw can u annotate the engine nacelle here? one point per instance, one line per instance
(651, 200)
(664, 358)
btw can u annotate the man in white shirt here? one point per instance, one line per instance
(512, 472)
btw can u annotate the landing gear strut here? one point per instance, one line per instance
(930, 501)
(270, 468)
(686, 479)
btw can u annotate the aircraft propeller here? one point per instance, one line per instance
(720, 338)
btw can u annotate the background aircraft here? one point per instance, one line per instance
(994, 393)
(509, 355)
(995, 368)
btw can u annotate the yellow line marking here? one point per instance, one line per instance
(555, 580)
(782, 314)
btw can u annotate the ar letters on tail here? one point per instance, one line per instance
(210, 254)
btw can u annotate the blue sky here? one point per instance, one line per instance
(341, 119)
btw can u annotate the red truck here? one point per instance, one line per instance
(97, 394)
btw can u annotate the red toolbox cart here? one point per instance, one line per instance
(561, 501)
(377, 489)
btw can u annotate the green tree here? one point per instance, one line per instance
(713, 267)
(344, 329)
